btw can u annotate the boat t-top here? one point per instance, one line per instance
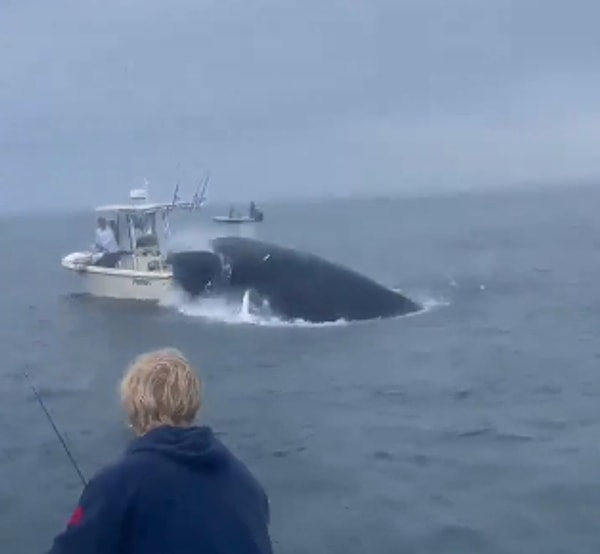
(136, 269)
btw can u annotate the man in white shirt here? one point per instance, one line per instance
(106, 245)
(105, 239)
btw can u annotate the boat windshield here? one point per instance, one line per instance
(143, 223)
(143, 230)
(135, 230)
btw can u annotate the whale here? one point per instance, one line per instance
(292, 284)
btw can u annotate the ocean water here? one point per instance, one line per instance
(472, 427)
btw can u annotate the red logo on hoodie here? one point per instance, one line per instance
(77, 516)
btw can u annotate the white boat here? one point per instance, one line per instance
(138, 271)
(254, 216)
(228, 219)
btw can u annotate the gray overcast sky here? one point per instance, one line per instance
(293, 97)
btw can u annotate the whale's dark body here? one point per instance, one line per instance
(297, 285)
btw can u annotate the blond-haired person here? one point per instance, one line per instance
(177, 489)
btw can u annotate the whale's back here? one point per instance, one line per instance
(306, 285)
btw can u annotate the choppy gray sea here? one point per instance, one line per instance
(473, 427)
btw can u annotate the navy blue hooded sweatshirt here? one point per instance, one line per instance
(176, 491)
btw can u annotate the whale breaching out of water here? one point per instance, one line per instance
(294, 284)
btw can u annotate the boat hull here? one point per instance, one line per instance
(225, 219)
(121, 284)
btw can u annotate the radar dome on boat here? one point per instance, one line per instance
(138, 194)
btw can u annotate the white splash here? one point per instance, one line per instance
(427, 302)
(231, 311)
(191, 238)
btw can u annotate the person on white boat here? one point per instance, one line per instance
(105, 238)
(106, 245)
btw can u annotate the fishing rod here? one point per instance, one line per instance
(60, 437)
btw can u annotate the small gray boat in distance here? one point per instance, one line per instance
(254, 216)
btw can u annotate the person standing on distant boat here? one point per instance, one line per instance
(178, 489)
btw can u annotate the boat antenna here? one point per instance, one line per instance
(203, 193)
(56, 431)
